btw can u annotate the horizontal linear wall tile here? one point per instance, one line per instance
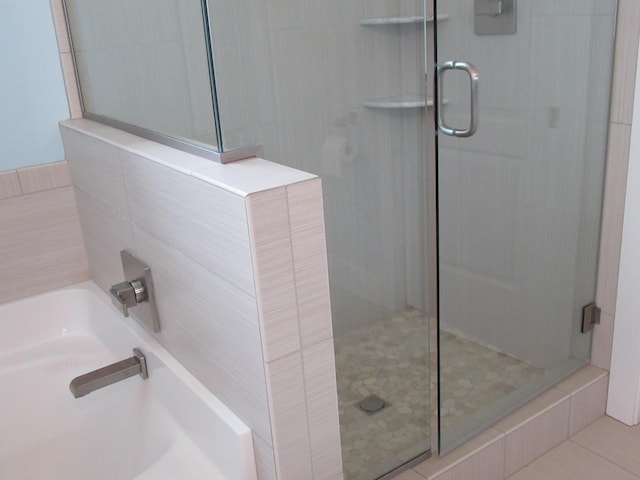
(95, 169)
(436, 466)
(251, 175)
(41, 246)
(588, 404)
(485, 464)
(310, 260)
(539, 433)
(285, 384)
(206, 223)
(274, 278)
(322, 410)
(44, 177)
(9, 184)
(106, 232)
(211, 327)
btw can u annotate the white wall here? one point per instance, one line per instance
(32, 92)
(624, 384)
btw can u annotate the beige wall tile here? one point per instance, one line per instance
(322, 405)
(273, 269)
(485, 464)
(71, 85)
(41, 247)
(285, 384)
(310, 260)
(437, 465)
(537, 435)
(581, 379)
(625, 59)
(588, 404)
(44, 177)
(602, 342)
(9, 184)
(60, 25)
(612, 216)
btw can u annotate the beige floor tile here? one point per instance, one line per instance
(570, 461)
(617, 442)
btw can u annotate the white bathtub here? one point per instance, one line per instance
(166, 427)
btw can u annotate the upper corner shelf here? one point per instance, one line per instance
(401, 20)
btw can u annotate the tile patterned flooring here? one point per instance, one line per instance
(606, 449)
(391, 360)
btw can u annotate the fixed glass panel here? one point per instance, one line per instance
(519, 201)
(146, 64)
(337, 88)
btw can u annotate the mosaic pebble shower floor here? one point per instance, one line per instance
(391, 360)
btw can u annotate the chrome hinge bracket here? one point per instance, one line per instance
(590, 317)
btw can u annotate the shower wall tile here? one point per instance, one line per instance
(310, 260)
(625, 59)
(485, 450)
(612, 216)
(95, 169)
(602, 342)
(106, 232)
(270, 236)
(9, 184)
(288, 410)
(211, 326)
(322, 402)
(207, 224)
(41, 246)
(588, 404)
(540, 432)
(44, 177)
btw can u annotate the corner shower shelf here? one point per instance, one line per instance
(401, 101)
(400, 20)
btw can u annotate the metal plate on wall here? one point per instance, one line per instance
(495, 17)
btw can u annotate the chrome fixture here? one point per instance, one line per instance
(136, 292)
(102, 377)
(474, 78)
(495, 17)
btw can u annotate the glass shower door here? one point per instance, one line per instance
(519, 200)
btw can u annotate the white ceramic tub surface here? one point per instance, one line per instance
(167, 427)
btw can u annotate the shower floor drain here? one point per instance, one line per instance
(372, 404)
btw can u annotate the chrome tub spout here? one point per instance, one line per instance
(87, 383)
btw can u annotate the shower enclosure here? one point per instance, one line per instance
(462, 226)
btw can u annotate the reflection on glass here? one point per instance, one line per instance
(145, 63)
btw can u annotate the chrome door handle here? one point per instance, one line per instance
(474, 79)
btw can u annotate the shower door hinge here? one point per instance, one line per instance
(590, 317)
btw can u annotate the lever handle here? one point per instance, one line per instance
(473, 114)
(125, 295)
